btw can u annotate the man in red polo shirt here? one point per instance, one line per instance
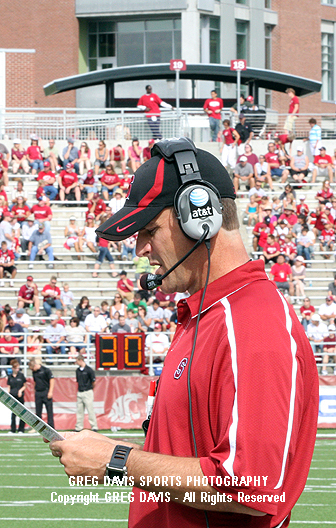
(96, 206)
(150, 103)
(289, 215)
(293, 110)
(125, 286)
(281, 273)
(322, 166)
(213, 108)
(47, 179)
(28, 294)
(272, 158)
(42, 213)
(68, 183)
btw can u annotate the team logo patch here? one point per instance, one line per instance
(130, 187)
(200, 204)
(179, 371)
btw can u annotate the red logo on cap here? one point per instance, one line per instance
(120, 229)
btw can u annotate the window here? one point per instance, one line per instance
(327, 48)
(243, 2)
(268, 61)
(329, 2)
(268, 4)
(214, 37)
(242, 40)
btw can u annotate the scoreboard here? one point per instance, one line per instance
(120, 351)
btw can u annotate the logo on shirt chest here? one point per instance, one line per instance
(179, 371)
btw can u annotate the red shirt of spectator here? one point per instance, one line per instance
(289, 216)
(212, 105)
(9, 344)
(263, 230)
(115, 152)
(281, 272)
(89, 179)
(41, 212)
(68, 178)
(288, 248)
(122, 286)
(50, 288)
(327, 235)
(322, 161)
(100, 207)
(152, 102)
(6, 256)
(272, 157)
(162, 297)
(125, 182)
(109, 178)
(307, 311)
(294, 101)
(302, 208)
(47, 176)
(4, 194)
(271, 249)
(321, 221)
(34, 152)
(4, 165)
(228, 136)
(20, 212)
(27, 291)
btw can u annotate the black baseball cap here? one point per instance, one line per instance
(153, 188)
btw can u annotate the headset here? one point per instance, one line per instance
(196, 202)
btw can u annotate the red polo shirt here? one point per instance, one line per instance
(41, 212)
(254, 398)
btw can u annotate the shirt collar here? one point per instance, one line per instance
(224, 286)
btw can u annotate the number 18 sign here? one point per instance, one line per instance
(238, 65)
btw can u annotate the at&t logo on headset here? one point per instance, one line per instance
(200, 203)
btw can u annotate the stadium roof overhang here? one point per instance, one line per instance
(254, 77)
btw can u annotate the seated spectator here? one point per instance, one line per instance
(54, 336)
(7, 259)
(51, 154)
(147, 151)
(304, 245)
(96, 206)
(258, 190)
(327, 240)
(9, 347)
(15, 329)
(143, 319)
(261, 231)
(4, 151)
(83, 309)
(6, 228)
(169, 315)
(322, 166)
(132, 321)
(95, 323)
(298, 167)
(332, 289)
(289, 215)
(102, 157)
(288, 197)
(327, 310)
(67, 300)
(281, 273)
(272, 159)
(243, 173)
(288, 248)
(47, 178)
(281, 230)
(34, 155)
(20, 211)
(104, 253)
(22, 318)
(59, 317)
(251, 210)
(125, 182)
(88, 184)
(325, 194)
(75, 337)
(51, 296)
(28, 229)
(271, 250)
(252, 158)
(3, 207)
(117, 159)
(302, 208)
(28, 294)
(329, 348)
(110, 182)
(72, 233)
(68, 184)
(19, 158)
(299, 275)
(128, 248)
(117, 306)
(316, 332)
(264, 208)
(155, 312)
(105, 310)
(157, 344)
(280, 141)
(88, 235)
(39, 245)
(134, 155)
(164, 298)
(117, 202)
(42, 214)
(244, 105)
(306, 310)
(71, 155)
(125, 286)
(321, 220)
(3, 170)
(84, 155)
(136, 303)
(122, 327)
(35, 345)
(262, 172)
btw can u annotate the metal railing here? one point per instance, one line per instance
(117, 124)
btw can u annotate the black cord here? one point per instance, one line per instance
(207, 243)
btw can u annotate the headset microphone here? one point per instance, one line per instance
(149, 281)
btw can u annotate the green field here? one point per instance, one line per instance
(29, 475)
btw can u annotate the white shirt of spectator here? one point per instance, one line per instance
(75, 334)
(28, 231)
(95, 324)
(317, 332)
(24, 319)
(151, 313)
(327, 309)
(116, 205)
(157, 342)
(67, 297)
(53, 333)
